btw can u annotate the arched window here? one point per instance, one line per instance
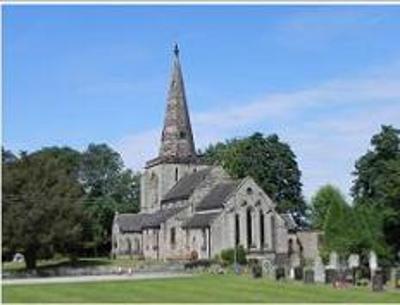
(262, 238)
(249, 222)
(290, 246)
(237, 230)
(173, 237)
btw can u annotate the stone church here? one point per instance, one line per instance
(193, 210)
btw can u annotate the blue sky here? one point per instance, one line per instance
(323, 78)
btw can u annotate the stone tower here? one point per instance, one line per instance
(177, 156)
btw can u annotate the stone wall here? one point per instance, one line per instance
(158, 180)
(310, 242)
(125, 243)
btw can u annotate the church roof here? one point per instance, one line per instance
(130, 222)
(217, 196)
(200, 220)
(138, 222)
(159, 217)
(184, 188)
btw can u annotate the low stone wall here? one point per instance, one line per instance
(93, 270)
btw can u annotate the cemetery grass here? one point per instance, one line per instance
(198, 289)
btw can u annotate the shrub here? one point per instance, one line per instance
(198, 263)
(228, 255)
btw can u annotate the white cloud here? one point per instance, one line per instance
(328, 126)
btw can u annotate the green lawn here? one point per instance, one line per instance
(203, 288)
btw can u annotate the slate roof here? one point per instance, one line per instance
(185, 186)
(138, 222)
(289, 222)
(216, 197)
(131, 222)
(200, 220)
(160, 216)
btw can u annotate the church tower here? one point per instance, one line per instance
(177, 155)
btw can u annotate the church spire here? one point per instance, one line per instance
(177, 139)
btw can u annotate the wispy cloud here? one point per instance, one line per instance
(328, 126)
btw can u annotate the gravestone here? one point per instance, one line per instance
(309, 276)
(268, 268)
(373, 262)
(333, 260)
(353, 263)
(298, 273)
(291, 273)
(330, 276)
(377, 280)
(319, 270)
(280, 273)
(395, 277)
(331, 272)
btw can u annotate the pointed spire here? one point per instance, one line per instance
(177, 139)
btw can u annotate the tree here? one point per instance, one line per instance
(7, 156)
(41, 203)
(109, 188)
(377, 182)
(356, 229)
(321, 202)
(338, 227)
(270, 162)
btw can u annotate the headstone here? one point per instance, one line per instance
(319, 270)
(333, 260)
(309, 276)
(377, 281)
(396, 277)
(298, 273)
(291, 273)
(373, 262)
(280, 273)
(354, 261)
(268, 268)
(330, 276)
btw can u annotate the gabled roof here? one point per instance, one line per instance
(200, 220)
(131, 222)
(184, 188)
(217, 196)
(138, 222)
(160, 216)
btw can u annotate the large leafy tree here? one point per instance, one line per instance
(377, 182)
(270, 162)
(109, 188)
(321, 202)
(42, 203)
(356, 229)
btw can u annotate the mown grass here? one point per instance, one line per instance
(198, 289)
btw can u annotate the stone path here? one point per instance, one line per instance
(94, 278)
